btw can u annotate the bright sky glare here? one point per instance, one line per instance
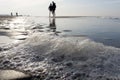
(64, 7)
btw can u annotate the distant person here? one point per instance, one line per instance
(16, 14)
(52, 8)
(11, 14)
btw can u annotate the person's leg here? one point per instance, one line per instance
(54, 14)
(49, 14)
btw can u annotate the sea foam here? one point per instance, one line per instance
(55, 57)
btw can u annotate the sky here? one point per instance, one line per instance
(64, 7)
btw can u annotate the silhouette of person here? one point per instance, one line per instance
(52, 8)
(11, 14)
(16, 14)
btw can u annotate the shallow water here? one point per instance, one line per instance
(105, 30)
(62, 52)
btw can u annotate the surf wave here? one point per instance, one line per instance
(55, 57)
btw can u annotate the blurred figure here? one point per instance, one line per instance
(16, 14)
(11, 14)
(52, 8)
(52, 25)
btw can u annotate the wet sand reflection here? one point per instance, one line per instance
(52, 25)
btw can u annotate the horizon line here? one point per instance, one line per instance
(71, 16)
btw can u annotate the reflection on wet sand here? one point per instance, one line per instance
(52, 25)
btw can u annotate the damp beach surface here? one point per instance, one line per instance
(67, 48)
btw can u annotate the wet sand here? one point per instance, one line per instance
(9, 31)
(4, 30)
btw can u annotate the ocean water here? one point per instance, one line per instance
(105, 30)
(66, 48)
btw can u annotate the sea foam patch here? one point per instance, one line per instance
(54, 57)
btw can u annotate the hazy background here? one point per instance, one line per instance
(64, 7)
